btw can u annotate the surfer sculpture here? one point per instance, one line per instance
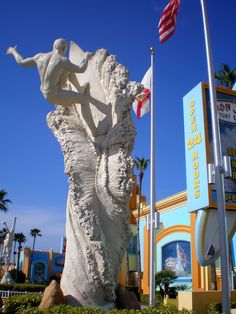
(93, 125)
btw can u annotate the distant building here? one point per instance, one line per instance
(174, 249)
(174, 245)
(41, 266)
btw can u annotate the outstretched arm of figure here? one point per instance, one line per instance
(71, 67)
(28, 62)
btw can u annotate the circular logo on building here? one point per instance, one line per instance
(60, 261)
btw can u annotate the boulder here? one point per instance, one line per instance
(52, 296)
(126, 299)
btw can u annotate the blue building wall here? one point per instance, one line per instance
(39, 266)
(234, 250)
(174, 243)
(58, 261)
(177, 216)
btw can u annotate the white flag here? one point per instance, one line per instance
(142, 100)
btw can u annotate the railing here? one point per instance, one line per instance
(4, 294)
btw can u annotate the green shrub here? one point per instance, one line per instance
(135, 290)
(216, 308)
(172, 292)
(29, 287)
(181, 287)
(116, 311)
(66, 309)
(169, 309)
(58, 309)
(144, 298)
(28, 304)
(20, 275)
(20, 302)
(63, 309)
(164, 309)
(163, 279)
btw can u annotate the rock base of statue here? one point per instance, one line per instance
(52, 296)
(7, 278)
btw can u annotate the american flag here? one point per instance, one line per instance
(167, 22)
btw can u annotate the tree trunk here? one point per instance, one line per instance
(213, 277)
(18, 262)
(166, 289)
(14, 253)
(33, 244)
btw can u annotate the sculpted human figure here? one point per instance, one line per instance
(54, 71)
(7, 244)
(5, 250)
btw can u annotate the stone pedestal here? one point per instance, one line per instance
(7, 278)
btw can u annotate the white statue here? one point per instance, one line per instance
(54, 71)
(96, 135)
(7, 248)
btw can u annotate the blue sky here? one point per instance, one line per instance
(31, 167)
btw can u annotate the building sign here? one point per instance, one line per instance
(226, 111)
(39, 272)
(195, 149)
(60, 261)
(176, 257)
(226, 108)
(199, 148)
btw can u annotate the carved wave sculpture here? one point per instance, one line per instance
(99, 166)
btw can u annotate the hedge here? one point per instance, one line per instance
(144, 298)
(28, 304)
(216, 308)
(66, 309)
(29, 287)
(18, 303)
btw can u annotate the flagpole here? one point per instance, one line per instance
(219, 172)
(152, 188)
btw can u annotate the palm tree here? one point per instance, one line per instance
(4, 201)
(14, 247)
(20, 238)
(35, 233)
(226, 76)
(141, 165)
(163, 279)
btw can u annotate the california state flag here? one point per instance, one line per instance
(142, 100)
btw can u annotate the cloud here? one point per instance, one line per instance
(51, 222)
